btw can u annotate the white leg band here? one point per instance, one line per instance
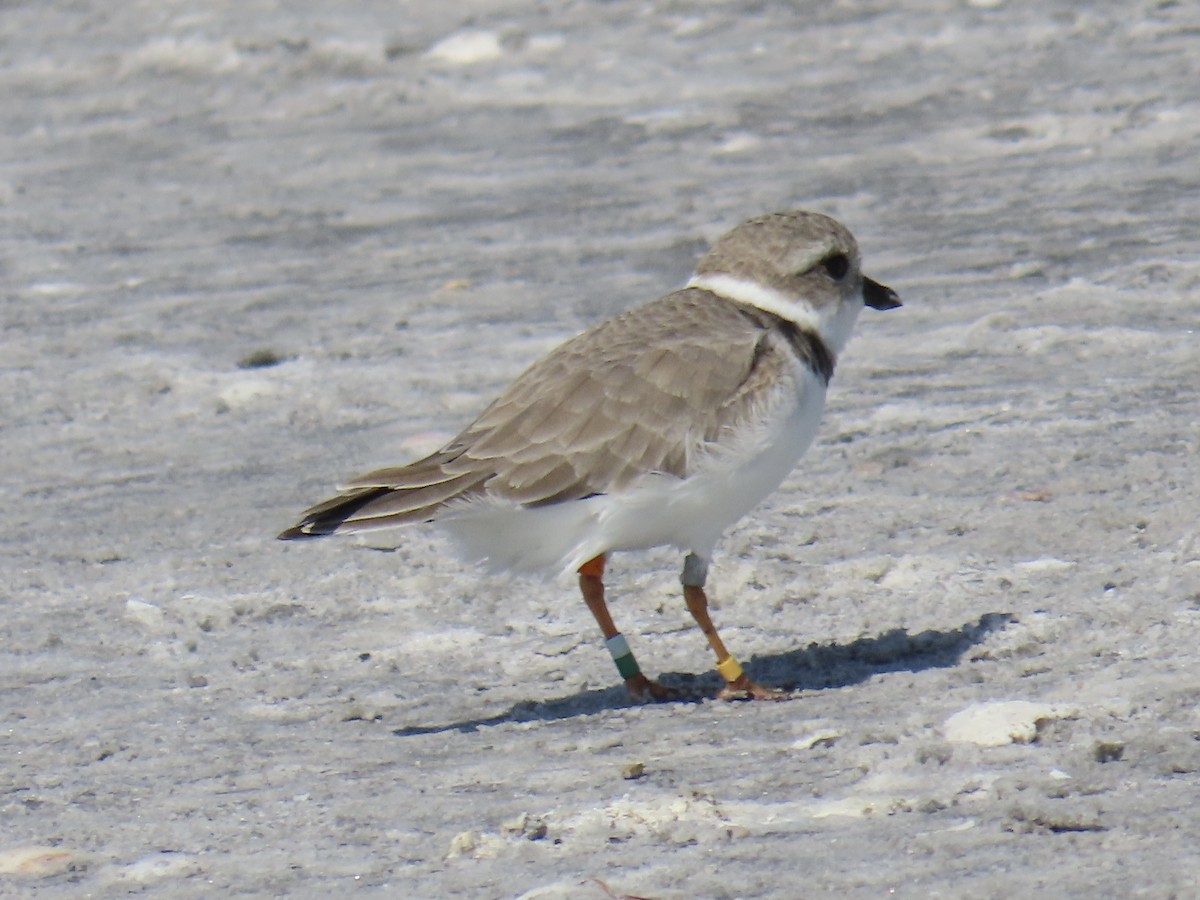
(617, 646)
(695, 571)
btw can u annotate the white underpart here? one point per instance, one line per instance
(833, 326)
(690, 513)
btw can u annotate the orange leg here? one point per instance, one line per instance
(738, 685)
(591, 584)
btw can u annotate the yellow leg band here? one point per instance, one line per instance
(730, 669)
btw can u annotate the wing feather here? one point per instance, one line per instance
(648, 392)
(626, 411)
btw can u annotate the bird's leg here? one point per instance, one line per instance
(738, 684)
(591, 584)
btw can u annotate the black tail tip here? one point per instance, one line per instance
(298, 533)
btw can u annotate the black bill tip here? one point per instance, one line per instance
(879, 296)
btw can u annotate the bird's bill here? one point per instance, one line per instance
(879, 296)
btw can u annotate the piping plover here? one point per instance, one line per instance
(661, 426)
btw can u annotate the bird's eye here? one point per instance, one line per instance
(836, 265)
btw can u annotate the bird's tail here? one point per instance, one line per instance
(389, 497)
(330, 516)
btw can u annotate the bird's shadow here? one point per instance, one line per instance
(816, 667)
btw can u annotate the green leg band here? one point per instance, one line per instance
(622, 656)
(627, 666)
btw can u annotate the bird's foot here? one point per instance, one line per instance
(743, 688)
(643, 690)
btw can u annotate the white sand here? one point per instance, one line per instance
(406, 205)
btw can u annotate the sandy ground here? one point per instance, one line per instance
(250, 249)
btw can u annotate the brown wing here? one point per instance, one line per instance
(641, 393)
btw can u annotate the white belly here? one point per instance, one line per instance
(690, 513)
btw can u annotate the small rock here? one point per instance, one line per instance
(260, 359)
(145, 614)
(532, 827)
(465, 48)
(167, 864)
(38, 862)
(633, 771)
(464, 844)
(999, 723)
(825, 737)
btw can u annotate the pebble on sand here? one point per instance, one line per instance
(1000, 722)
(38, 862)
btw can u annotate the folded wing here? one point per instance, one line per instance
(646, 392)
